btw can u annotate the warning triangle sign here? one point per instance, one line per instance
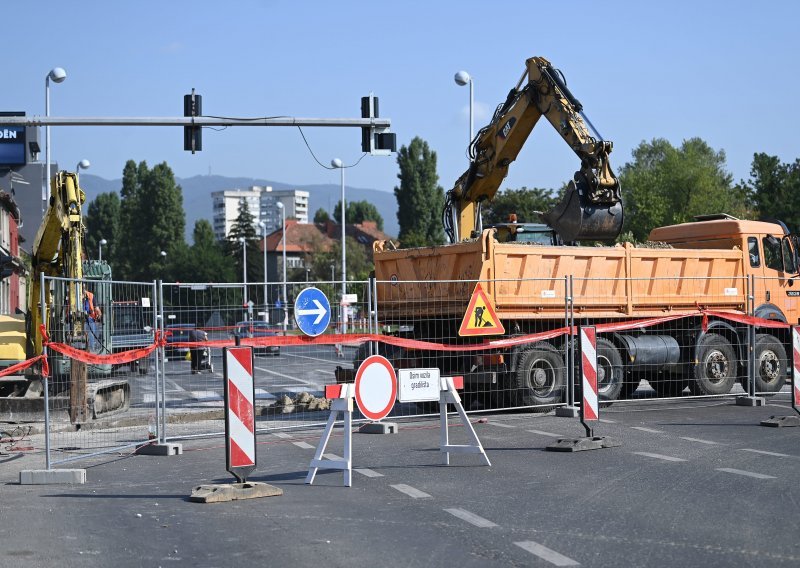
(480, 317)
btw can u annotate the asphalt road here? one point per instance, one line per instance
(694, 483)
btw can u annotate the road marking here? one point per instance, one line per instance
(276, 373)
(367, 472)
(303, 445)
(643, 429)
(500, 425)
(699, 441)
(332, 457)
(659, 457)
(471, 518)
(776, 454)
(746, 473)
(283, 435)
(410, 491)
(542, 433)
(547, 554)
(607, 421)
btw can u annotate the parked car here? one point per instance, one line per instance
(257, 329)
(177, 333)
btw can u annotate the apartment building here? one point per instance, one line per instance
(263, 204)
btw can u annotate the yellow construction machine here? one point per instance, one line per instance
(591, 208)
(58, 252)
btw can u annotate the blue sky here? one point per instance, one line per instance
(724, 71)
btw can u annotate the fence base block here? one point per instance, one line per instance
(52, 477)
(582, 444)
(160, 450)
(378, 428)
(782, 421)
(751, 401)
(222, 492)
(567, 411)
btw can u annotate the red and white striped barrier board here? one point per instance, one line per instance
(796, 362)
(240, 422)
(589, 406)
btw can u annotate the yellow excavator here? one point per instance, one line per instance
(591, 208)
(58, 252)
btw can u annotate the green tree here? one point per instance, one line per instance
(358, 212)
(665, 185)
(419, 197)
(151, 219)
(321, 216)
(525, 202)
(205, 260)
(244, 227)
(102, 222)
(774, 189)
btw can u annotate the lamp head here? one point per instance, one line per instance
(462, 78)
(84, 164)
(57, 75)
(103, 242)
(336, 163)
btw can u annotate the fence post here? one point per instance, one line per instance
(570, 410)
(161, 388)
(374, 309)
(750, 399)
(45, 378)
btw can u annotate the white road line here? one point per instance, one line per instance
(500, 425)
(367, 472)
(607, 421)
(410, 491)
(332, 457)
(659, 457)
(643, 429)
(471, 518)
(776, 454)
(699, 441)
(542, 433)
(547, 554)
(283, 435)
(276, 373)
(303, 445)
(746, 473)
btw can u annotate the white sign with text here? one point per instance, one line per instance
(418, 385)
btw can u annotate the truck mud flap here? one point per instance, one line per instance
(108, 397)
(575, 218)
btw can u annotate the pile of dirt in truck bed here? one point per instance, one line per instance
(653, 245)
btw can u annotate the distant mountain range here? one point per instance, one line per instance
(197, 196)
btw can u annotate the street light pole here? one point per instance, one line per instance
(285, 307)
(263, 226)
(101, 244)
(82, 165)
(57, 74)
(337, 163)
(463, 78)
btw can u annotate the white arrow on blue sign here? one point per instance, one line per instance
(312, 311)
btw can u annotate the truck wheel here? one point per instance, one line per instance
(539, 378)
(771, 364)
(715, 370)
(609, 370)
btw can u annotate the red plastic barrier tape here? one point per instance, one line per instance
(21, 366)
(95, 359)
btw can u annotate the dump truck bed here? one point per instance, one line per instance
(528, 281)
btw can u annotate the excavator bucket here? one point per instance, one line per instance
(576, 218)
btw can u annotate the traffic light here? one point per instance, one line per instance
(192, 135)
(8, 265)
(376, 141)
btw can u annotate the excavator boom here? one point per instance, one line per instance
(591, 207)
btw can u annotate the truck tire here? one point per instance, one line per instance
(771, 364)
(538, 380)
(715, 369)
(609, 370)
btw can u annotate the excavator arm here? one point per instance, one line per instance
(591, 207)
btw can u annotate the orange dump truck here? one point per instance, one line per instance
(721, 266)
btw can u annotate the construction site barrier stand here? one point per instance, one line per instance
(342, 402)
(240, 422)
(448, 394)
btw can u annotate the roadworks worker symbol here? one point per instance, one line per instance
(480, 317)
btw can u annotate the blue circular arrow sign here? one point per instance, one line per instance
(312, 311)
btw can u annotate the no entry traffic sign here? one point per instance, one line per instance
(376, 387)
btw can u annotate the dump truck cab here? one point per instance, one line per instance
(537, 233)
(771, 257)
